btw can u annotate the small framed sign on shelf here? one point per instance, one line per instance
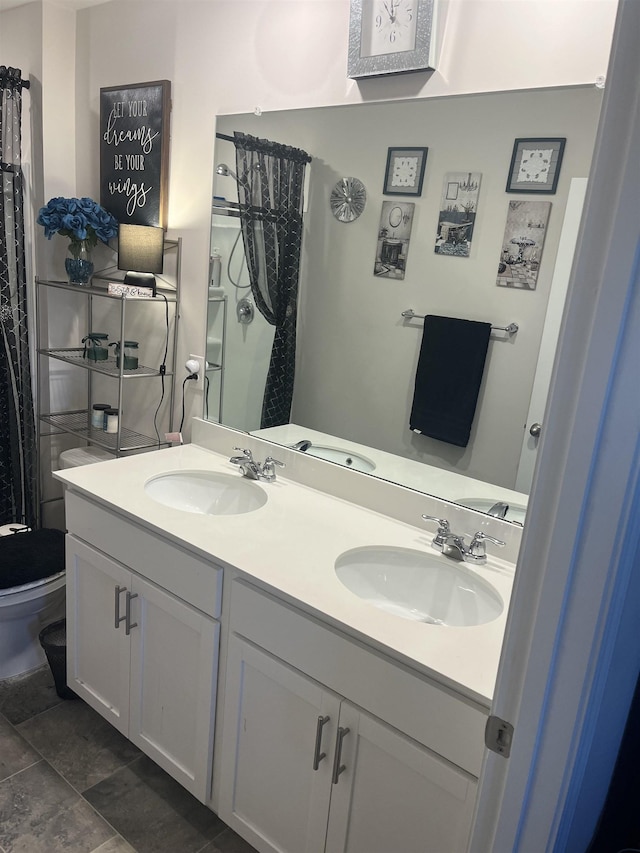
(134, 152)
(535, 165)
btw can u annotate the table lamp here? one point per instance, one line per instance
(141, 254)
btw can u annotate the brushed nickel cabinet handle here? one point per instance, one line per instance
(118, 617)
(337, 767)
(128, 625)
(317, 755)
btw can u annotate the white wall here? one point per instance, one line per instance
(227, 56)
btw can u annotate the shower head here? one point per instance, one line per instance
(225, 171)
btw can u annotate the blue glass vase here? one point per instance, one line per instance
(78, 263)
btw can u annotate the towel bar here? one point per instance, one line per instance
(511, 329)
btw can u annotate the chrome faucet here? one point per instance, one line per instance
(253, 470)
(268, 473)
(499, 509)
(453, 545)
(303, 445)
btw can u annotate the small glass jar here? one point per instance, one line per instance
(130, 361)
(93, 346)
(97, 414)
(111, 418)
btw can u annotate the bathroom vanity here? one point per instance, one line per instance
(227, 648)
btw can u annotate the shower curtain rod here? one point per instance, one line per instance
(15, 74)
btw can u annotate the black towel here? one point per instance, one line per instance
(448, 378)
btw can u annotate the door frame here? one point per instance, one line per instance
(551, 331)
(571, 653)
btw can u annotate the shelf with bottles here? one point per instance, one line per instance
(108, 367)
(78, 423)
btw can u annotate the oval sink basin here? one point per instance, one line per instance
(342, 457)
(206, 492)
(419, 586)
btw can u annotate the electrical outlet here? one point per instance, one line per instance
(199, 382)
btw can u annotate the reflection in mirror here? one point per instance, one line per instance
(356, 354)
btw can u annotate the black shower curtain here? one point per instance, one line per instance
(270, 193)
(18, 463)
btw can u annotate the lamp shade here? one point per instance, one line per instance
(140, 248)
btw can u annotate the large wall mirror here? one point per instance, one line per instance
(356, 354)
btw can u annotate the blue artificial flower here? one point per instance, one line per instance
(80, 219)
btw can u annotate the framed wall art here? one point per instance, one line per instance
(535, 165)
(394, 233)
(457, 216)
(405, 171)
(522, 244)
(134, 152)
(390, 37)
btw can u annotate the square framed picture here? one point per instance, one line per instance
(535, 165)
(405, 171)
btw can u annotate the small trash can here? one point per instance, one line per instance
(53, 640)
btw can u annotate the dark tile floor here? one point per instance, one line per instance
(70, 782)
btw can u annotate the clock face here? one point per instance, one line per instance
(388, 26)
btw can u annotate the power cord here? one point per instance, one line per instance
(163, 366)
(206, 397)
(184, 384)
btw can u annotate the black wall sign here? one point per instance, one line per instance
(134, 152)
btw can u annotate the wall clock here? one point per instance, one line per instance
(390, 37)
(347, 199)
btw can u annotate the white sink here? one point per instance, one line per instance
(418, 585)
(342, 457)
(206, 492)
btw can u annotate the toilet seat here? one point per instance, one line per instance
(31, 590)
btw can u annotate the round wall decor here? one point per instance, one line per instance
(348, 199)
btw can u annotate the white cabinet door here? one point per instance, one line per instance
(395, 795)
(374, 791)
(174, 660)
(276, 721)
(146, 661)
(97, 650)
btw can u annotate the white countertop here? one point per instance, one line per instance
(290, 546)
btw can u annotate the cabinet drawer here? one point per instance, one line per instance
(431, 714)
(193, 580)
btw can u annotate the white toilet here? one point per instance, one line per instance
(26, 610)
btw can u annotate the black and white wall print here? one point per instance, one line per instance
(457, 217)
(394, 234)
(522, 244)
